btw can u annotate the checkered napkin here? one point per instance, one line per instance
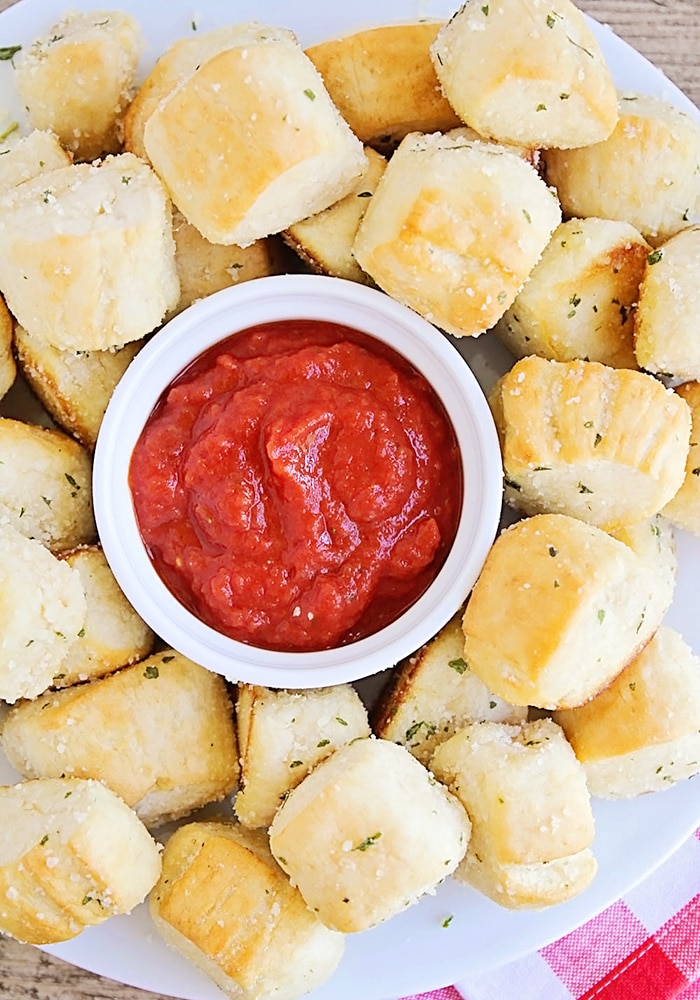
(646, 946)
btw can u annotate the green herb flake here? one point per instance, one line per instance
(598, 439)
(541, 107)
(8, 51)
(342, 722)
(310, 94)
(323, 743)
(86, 900)
(151, 672)
(551, 20)
(12, 127)
(527, 215)
(492, 704)
(564, 96)
(696, 471)
(368, 842)
(577, 46)
(459, 664)
(601, 615)
(552, 551)
(43, 840)
(582, 488)
(193, 25)
(513, 485)
(485, 10)
(297, 763)
(364, 194)
(632, 685)
(167, 659)
(73, 483)
(447, 921)
(655, 256)
(413, 730)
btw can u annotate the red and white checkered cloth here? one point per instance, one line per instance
(646, 946)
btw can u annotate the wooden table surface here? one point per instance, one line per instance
(667, 32)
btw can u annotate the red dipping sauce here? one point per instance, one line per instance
(298, 486)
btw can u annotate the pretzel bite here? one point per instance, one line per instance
(325, 241)
(8, 368)
(454, 228)
(32, 154)
(579, 299)
(88, 258)
(642, 733)
(683, 509)
(383, 82)
(559, 609)
(74, 386)
(113, 635)
(528, 72)
(43, 607)
(645, 173)
(604, 444)
(159, 733)
(278, 149)
(71, 856)
(282, 735)
(526, 796)
(367, 833)
(76, 79)
(433, 693)
(224, 903)
(46, 485)
(666, 321)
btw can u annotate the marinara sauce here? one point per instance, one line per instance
(298, 486)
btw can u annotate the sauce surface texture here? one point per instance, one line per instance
(298, 486)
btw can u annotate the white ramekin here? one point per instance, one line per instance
(182, 340)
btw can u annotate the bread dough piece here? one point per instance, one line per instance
(580, 297)
(265, 146)
(532, 824)
(642, 733)
(282, 735)
(223, 902)
(528, 72)
(71, 856)
(683, 509)
(559, 609)
(604, 444)
(88, 258)
(433, 693)
(159, 733)
(383, 82)
(367, 833)
(46, 485)
(42, 608)
(77, 79)
(454, 228)
(666, 320)
(645, 173)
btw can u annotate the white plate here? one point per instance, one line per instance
(414, 952)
